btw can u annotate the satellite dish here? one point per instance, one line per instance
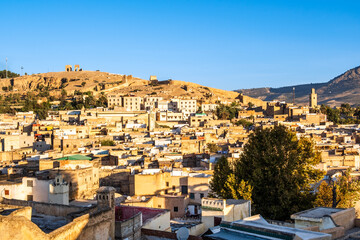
(183, 233)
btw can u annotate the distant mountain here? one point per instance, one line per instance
(344, 88)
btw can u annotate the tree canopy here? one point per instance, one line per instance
(218, 182)
(9, 74)
(343, 115)
(276, 170)
(227, 112)
(341, 192)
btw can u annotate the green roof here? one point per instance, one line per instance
(75, 157)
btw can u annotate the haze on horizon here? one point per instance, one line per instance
(222, 44)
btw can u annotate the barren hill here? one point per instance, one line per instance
(98, 82)
(344, 88)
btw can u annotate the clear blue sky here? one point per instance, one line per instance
(223, 44)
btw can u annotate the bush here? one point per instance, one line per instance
(107, 143)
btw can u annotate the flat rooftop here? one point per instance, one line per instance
(318, 212)
(48, 223)
(270, 228)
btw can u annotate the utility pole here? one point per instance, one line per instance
(6, 68)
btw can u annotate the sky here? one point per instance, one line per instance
(223, 44)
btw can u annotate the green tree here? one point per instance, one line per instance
(245, 123)
(346, 110)
(227, 111)
(213, 147)
(239, 189)
(9, 74)
(102, 100)
(107, 143)
(218, 181)
(279, 168)
(341, 193)
(83, 84)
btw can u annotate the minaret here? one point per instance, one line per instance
(105, 197)
(313, 99)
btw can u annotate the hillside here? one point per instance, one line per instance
(344, 88)
(98, 82)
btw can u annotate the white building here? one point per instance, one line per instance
(224, 210)
(208, 107)
(33, 189)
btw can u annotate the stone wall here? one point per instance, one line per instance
(118, 178)
(25, 229)
(45, 208)
(345, 218)
(130, 228)
(99, 224)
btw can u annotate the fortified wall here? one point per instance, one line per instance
(96, 222)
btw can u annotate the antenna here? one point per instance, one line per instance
(6, 68)
(294, 95)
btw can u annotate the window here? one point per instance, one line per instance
(29, 197)
(184, 189)
(173, 188)
(159, 206)
(192, 195)
(167, 184)
(176, 209)
(166, 191)
(30, 183)
(201, 195)
(7, 192)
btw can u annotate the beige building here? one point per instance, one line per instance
(114, 100)
(13, 142)
(177, 192)
(151, 102)
(187, 105)
(208, 107)
(132, 103)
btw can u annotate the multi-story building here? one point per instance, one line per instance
(208, 107)
(132, 103)
(188, 105)
(151, 102)
(162, 105)
(114, 100)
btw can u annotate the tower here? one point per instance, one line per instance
(151, 121)
(313, 98)
(105, 197)
(59, 191)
